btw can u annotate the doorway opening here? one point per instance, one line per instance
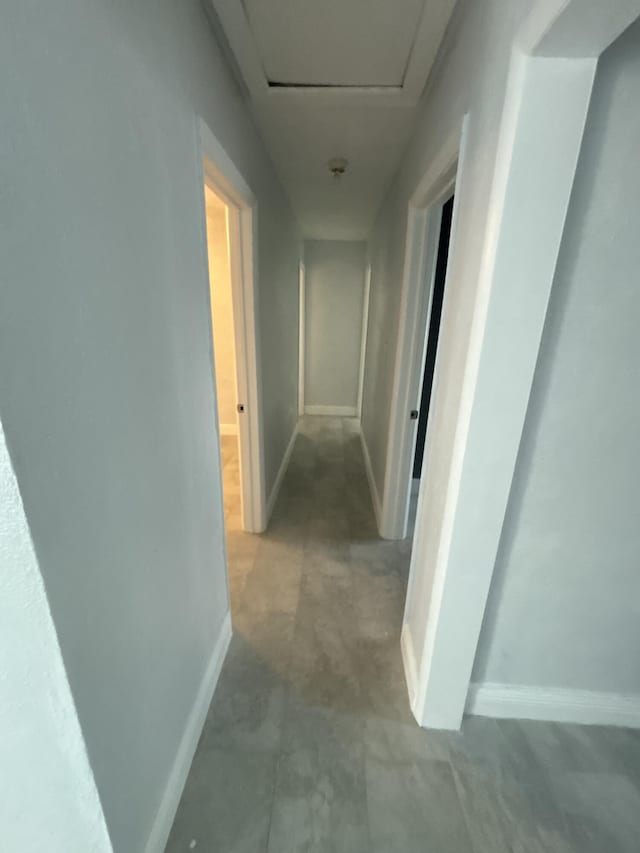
(429, 261)
(224, 350)
(431, 206)
(229, 252)
(437, 300)
(436, 236)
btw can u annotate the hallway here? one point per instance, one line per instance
(309, 743)
(239, 208)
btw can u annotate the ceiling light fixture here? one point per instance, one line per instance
(338, 166)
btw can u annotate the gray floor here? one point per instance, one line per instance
(310, 745)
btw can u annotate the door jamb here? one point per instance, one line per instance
(363, 338)
(218, 171)
(301, 332)
(551, 74)
(421, 250)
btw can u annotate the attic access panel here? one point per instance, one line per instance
(334, 43)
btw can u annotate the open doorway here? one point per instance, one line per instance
(432, 338)
(431, 204)
(224, 349)
(435, 234)
(229, 250)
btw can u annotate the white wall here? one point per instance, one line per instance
(469, 77)
(48, 797)
(334, 292)
(221, 311)
(563, 609)
(106, 390)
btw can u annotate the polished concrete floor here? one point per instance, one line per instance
(310, 746)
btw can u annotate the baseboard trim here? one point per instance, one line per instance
(332, 411)
(282, 470)
(166, 813)
(409, 663)
(375, 497)
(228, 429)
(553, 704)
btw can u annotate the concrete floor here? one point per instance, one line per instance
(310, 745)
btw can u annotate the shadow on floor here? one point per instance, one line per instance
(310, 745)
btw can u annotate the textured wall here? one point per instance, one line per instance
(48, 797)
(106, 390)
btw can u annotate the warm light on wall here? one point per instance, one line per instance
(221, 310)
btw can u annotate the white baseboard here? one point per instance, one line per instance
(409, 663)
(355, 425)
(228, 429)
(273, 497)
(184, 756)
(553, 704)
(375, 497)
(332, 411)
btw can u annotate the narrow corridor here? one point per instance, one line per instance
(310, 744)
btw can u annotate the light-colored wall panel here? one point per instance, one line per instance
(563, 608)
(334, 293)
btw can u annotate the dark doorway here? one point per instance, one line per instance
(432, 336)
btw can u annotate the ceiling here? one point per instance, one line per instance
(334, 78)
(326, 44)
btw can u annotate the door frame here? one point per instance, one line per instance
(219, 173)
(421, 252)
(550, 78)
(365, 331)
(301, 330)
